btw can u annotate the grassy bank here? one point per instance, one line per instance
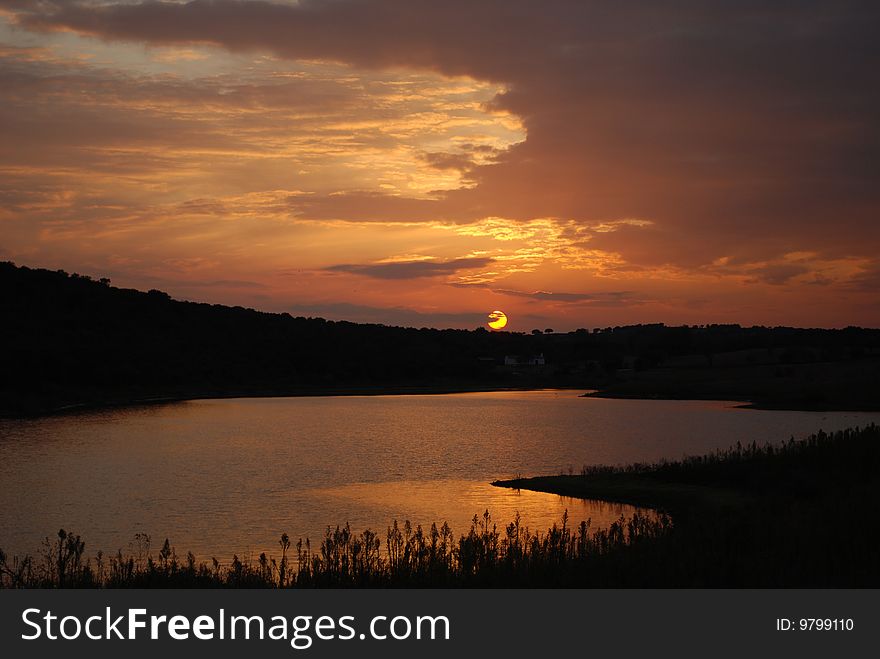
(803, 514)
(822, 465)
(797, 515)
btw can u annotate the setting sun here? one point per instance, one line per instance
(497, 320)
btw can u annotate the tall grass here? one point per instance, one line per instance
(818, 462)
(408, 556)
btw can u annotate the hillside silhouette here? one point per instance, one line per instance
(69, 340)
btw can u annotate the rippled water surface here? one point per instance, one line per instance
(224, 476)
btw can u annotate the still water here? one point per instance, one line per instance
(224, 476)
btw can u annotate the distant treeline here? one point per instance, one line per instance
(70, 340)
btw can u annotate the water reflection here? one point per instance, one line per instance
(456, 502)
(224, 476)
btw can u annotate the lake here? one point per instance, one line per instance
(228, 476)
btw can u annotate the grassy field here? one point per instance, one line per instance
(803, 514)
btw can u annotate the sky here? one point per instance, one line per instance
(573, 163)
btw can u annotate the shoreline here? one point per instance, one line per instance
(658, 496)
(426, 390)
(734, 480)
(403, 390)
(743, 402)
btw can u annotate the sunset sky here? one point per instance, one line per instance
(573, 163)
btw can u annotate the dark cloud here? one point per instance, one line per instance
(411, 269)
(779, 273)
(599, 298)
(465, 161)
(603, 298)
(867, 280)
(456, 161)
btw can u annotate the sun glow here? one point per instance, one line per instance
(497, 320)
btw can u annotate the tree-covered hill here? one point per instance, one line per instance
(71, 340)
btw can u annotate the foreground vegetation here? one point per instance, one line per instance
(485, 556)
(797, 515)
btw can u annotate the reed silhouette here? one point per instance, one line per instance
(485, 556)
